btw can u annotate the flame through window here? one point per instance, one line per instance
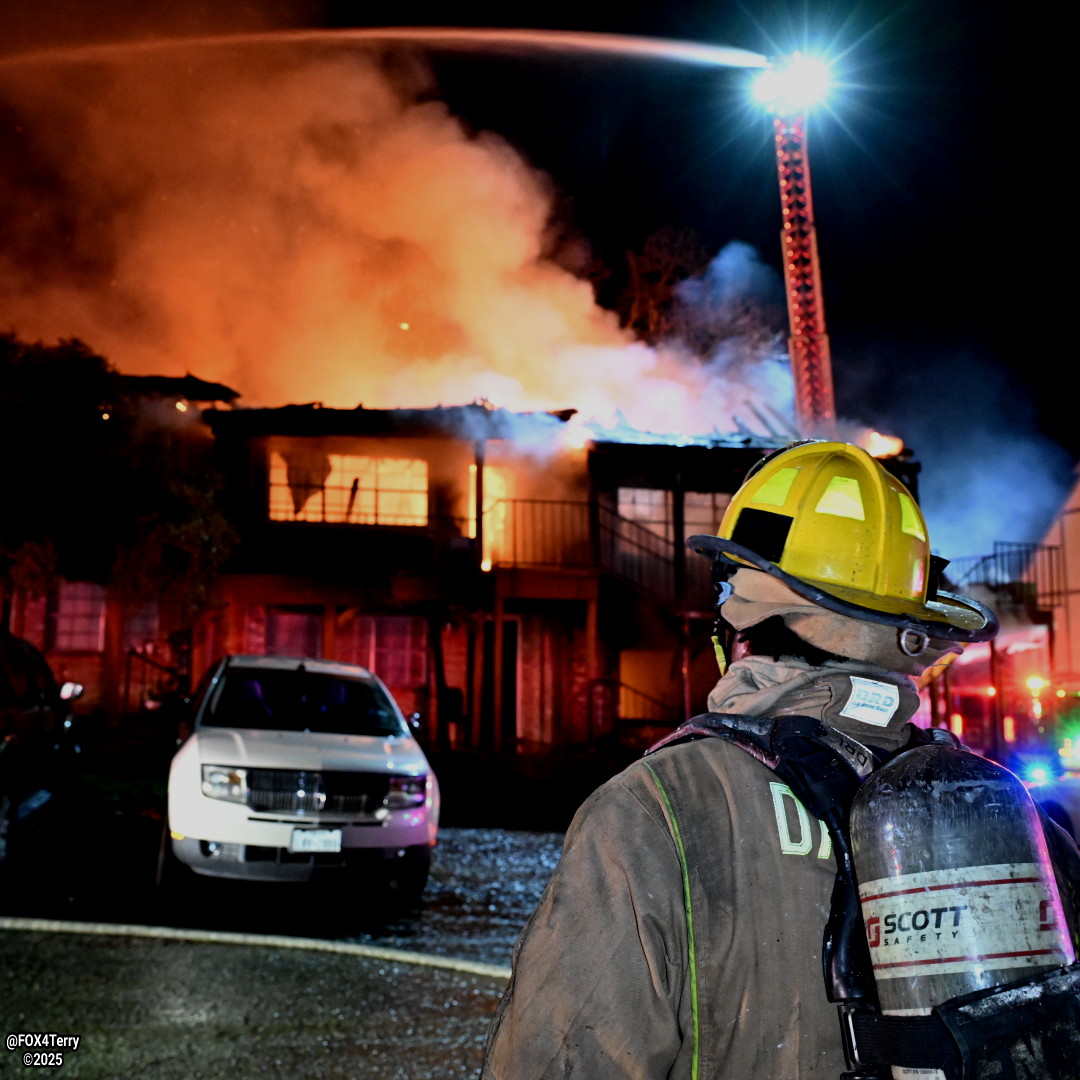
(347, 488)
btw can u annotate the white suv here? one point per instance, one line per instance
(297, 764)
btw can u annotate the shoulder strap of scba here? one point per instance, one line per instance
(998, 1032)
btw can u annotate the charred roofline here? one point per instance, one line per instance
(189, 387)
(476, 421)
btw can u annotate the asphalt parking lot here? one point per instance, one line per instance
(176, 1009)
(221, 980)
(218, 981)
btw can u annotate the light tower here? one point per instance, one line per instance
(788, 89)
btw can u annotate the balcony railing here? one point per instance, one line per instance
(535, 533)
(637, 555)
(637, 719)
(570, 535)
(348, 505)
(538, 533)
(637, 707)
(1033, 573)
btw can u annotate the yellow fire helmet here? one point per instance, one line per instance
(832, 524)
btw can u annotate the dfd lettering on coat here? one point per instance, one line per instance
(794, 825)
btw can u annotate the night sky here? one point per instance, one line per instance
(939, 226)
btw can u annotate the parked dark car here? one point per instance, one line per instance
(37, 749)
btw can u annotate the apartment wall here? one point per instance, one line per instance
(1065, 533)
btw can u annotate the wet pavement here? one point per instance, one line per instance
(214, 1009)
(265, 980)
(179, 1010)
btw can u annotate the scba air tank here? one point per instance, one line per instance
(955, 882)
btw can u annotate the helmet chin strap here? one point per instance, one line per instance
(912, 642)
(722, 633)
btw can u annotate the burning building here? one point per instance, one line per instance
(519, 588)
(517, 579)
(309, 220)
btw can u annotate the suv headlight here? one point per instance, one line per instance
(222, 782)
(406, 791)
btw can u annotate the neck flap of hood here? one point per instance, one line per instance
(859, 699)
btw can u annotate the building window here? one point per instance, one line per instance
(703, 511)
(79, 622)
(141, 628)
(348, 489)
(395, 647)
(294, 631)
(649, 507)
(653, 509)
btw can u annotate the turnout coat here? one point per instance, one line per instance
(680, 935)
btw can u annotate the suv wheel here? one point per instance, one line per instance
(409, 875)
(169, 872)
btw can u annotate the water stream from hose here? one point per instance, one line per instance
(445, 38)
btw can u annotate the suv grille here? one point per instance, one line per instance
(294, 791)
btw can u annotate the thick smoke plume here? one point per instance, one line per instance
(310, 223)
(989, 474)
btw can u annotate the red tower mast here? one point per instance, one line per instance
(808, 345)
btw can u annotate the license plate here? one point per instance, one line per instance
(315, 840)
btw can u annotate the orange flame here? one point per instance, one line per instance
(880, 445)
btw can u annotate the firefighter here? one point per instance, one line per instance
(681, 934)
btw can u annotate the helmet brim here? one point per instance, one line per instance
(947, 616)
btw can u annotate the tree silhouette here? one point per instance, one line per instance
(667, 258)
(103, 483)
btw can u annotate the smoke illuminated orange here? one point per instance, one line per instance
(279, 214)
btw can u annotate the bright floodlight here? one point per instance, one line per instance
(793, 84)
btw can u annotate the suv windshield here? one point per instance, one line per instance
(298, 700)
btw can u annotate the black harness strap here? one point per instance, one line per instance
(1027, 1028)
(875, 1040)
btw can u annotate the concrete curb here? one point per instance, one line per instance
(276, 941)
